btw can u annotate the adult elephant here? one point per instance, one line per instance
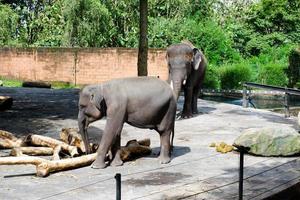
(142, 102)
(187, 66)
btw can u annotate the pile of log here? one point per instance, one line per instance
(5, 102)
(67, 153)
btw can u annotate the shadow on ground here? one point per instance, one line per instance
(260, 179)
(177, 151)
(35, 110)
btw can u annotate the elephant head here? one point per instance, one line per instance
(183, 59)
(91, 108)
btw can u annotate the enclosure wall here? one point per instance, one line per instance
(77, 65)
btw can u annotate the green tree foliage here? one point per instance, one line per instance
(275, 22)
(125, 17)
(8, 24)
(52, 25)
(88, 24)
(210, 37)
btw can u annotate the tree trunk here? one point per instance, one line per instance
(143, 43)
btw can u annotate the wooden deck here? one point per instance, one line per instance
(196, 171)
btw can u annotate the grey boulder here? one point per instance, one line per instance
(270, 141)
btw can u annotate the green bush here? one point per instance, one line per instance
(232, 76)
(211, 80)
(272, 74)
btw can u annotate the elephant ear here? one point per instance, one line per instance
(196, 58)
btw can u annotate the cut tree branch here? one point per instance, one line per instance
(39, 140)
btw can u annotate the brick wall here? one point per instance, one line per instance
(77, 65)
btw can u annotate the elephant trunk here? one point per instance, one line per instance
(177, 89)
(83, 124)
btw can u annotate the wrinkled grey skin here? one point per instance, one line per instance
(142, 102)
(187, 66)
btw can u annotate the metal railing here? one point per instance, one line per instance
(287, 92)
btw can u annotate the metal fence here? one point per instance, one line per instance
(287, 92)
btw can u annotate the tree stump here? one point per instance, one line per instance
(5, 103)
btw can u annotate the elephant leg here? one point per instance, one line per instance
(164, 156)
(116, 150)
(195, 99)
(113, 123)
(187, 107)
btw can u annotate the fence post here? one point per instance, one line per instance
(242, 151)
(118, 186)
(245, 97)
(241, 174)
(286, 104)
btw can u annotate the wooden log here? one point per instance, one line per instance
(72, 137)
(45, 141)
(56, 152)
(36, 84)
(144, 142)
(9, 144)
(8, 140)
(45, 167)
(23, 160)
(134, 150)
(7, 135)
(32, 151)
(5, 103)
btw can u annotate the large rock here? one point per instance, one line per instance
(270, 141)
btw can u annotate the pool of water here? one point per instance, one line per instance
(257, 102)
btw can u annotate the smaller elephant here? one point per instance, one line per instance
(143, 102)
(187, 66)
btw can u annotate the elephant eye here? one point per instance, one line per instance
(81, 106)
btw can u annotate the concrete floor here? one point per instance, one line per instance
(196, 171)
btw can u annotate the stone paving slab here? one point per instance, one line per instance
(195, 172)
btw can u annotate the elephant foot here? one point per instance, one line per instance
(164, 159)
(195, 112)
(116, 163)
(98, 164)
(186, 115)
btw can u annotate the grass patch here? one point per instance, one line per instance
(62, 85)
(11, 82)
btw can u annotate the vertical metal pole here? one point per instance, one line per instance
(118, 186)
(241, 173)
(286, 104)
(245, 98)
